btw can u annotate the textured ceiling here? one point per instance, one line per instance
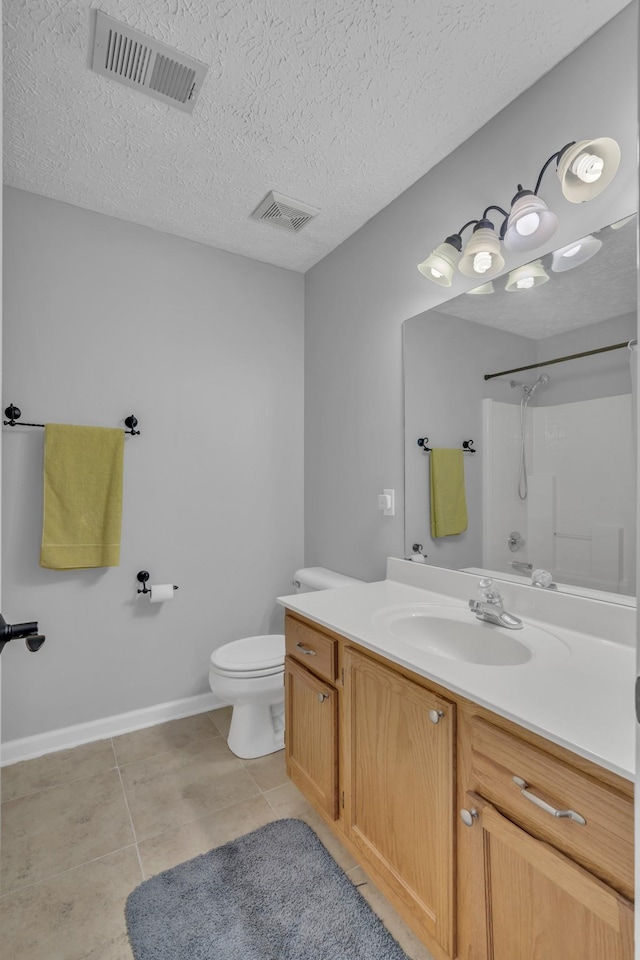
(605, 286)
(341, 105)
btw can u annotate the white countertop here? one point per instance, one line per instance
(584, 701)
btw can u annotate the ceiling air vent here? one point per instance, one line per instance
(136, 60)
(284, 212)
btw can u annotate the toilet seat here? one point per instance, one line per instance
(260, 656)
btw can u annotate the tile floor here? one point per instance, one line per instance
(81, 828)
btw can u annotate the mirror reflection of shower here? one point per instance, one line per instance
(528, 391)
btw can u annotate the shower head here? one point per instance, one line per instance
(528, 391)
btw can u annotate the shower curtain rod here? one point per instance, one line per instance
(546, 363)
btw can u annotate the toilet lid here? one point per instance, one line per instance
(251, 655)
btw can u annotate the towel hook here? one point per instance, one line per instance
(468, 446)
(422, 442)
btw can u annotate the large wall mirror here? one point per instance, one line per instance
(552, 484)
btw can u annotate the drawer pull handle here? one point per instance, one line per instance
(305, 650)
(561, 814)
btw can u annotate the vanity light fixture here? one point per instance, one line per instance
(530, 222)
(622, 223)
(575, 254)
(484, 288)
(525, 277)
(585, 168)
(441, 264)
(482, 256)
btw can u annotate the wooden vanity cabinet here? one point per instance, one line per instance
(399, 790)
(390, 760)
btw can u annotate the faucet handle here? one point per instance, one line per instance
(488, 590)
(542, 578)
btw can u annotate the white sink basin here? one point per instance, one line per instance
(455, 633)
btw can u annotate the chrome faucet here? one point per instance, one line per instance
(491, 607)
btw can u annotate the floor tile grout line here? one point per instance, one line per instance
(151, 756)
(210, 813)
(133, 829)
(61, 783)
(215, 725)
(269, 802)
(60, 873)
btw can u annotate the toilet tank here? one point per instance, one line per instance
(308, 579)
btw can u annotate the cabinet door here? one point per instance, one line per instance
(399, 790)
(311, 736)
(539, 905)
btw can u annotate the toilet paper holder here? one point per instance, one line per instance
(142, 576)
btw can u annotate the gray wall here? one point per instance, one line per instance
(103, 318)
(357, 298)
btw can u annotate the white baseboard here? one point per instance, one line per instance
(29, 747)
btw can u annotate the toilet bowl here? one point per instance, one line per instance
(249, 674)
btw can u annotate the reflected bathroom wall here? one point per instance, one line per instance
(578, 519)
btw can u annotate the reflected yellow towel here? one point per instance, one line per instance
(448, 499)
(82, 497)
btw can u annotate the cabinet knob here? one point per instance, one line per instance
(322, 697)
(469, 817)
(436, 715)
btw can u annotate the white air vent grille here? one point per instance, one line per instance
(284, 212)
(136, 60)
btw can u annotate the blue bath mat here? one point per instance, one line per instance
(274, 894)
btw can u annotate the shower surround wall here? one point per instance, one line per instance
(579, 520)
(104, 318)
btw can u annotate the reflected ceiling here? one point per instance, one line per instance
(603, 287)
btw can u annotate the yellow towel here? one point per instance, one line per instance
(448, 499)
(82, 497)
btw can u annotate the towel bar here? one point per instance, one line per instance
(14, 413)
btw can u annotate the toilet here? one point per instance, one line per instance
(249, 675)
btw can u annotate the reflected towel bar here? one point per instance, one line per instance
(467, 445)
(14, 413)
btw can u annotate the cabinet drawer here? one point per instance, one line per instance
(603, 844)
(315, 650)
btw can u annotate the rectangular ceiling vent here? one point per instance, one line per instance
(284, 212)
(130, 57)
